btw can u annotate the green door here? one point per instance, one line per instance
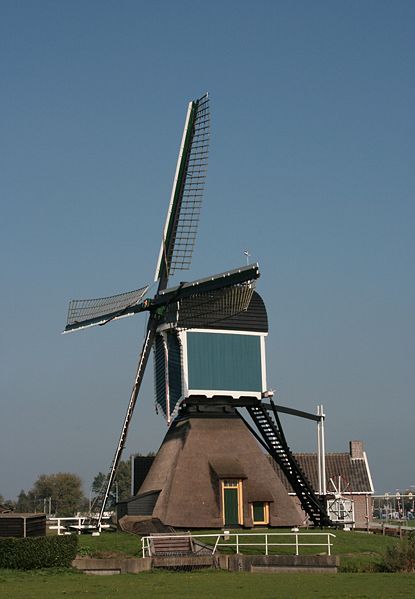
(230, 497)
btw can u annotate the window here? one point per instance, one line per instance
(260, 512)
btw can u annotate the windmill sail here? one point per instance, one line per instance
(90, 312)
(142, 362)
(180, 229)
(211, 307)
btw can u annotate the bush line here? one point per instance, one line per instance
(38, 552)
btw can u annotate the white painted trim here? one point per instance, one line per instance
(351, 493)
(95, 324)
(185, 363)
(263, 364)
(323, 452)
(173, 191)
(235, 394)
(320, 486)
(368, 472)
(227, 332)
(211, 392)
(166, 327)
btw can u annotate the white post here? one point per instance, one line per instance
(323, 453)
(216, 544)
(319, 452)
(237, 542)
(296, 544)
(266, 543)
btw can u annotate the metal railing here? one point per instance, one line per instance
(77, 524)
(225, 540)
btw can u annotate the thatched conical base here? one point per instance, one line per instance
(184, 487)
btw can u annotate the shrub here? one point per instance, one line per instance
(400, 557)
(359, 564)
(37, 552)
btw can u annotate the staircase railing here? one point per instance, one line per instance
(274, 441)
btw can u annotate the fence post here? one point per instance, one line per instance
(296, 544)
(237, 542)
(216, 544)
(266, 543)
(328, 544)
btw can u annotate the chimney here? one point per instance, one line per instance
(356, 449)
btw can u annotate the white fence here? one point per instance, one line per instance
(295, 540)
(65, 526)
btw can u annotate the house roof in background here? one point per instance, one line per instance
(354, 472)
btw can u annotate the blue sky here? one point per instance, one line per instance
(311, 169)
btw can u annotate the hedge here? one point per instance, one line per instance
(38, 552)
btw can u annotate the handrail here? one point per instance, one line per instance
(79, 523)
(146, 540)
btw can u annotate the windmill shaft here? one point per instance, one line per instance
(145, 353)
(213, 283)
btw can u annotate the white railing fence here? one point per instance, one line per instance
(237, 540)
(65, 526)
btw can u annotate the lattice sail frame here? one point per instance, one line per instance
(98, 310)
(182, 221)
(210, 307)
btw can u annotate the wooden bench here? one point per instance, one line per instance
(168, 545)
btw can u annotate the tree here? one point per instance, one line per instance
(24, 502)
(7, 503)
(64, 489)
(121, 488)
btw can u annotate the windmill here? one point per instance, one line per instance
(220, 316)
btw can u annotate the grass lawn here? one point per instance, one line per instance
(110, 542)
(358, 551)
(212, 584)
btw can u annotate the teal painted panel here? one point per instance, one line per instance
(227, 362)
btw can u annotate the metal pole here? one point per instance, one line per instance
(319, 452)
(323, 452)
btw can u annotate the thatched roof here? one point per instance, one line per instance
(195, 455)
